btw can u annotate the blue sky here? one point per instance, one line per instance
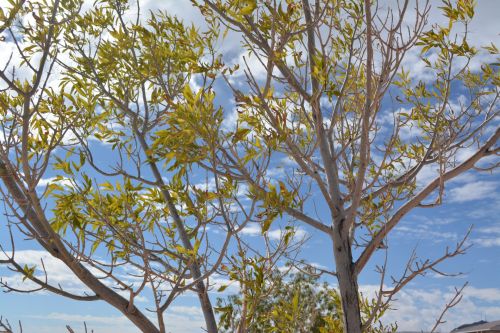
(471, 199)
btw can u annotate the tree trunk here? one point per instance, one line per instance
(348, 284)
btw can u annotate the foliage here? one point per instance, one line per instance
(289, 301)
(149, 92)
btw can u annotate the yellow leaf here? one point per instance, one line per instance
(240, 134)
(251, 5)
(107, 186)
(188, 93)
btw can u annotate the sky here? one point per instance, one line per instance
(472, 199)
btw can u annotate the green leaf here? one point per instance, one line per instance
(267, 224)
(222, 288)
(241, 134)
(94, 247)
(107, 186)
(188, 93)
(28, 272)
(250, 6)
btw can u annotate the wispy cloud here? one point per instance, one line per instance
(298, 234)
(473, 191)
(418, 309)
(425, 232)
(64, 182)
(489, 235)
(179, 319)
(276, 234)
(58, 274)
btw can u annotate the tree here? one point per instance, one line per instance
(331, 67)
(125, 89)
(135, 224)
(292, 301)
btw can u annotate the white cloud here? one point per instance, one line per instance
(288, 161)
(67, 317)
(183, 9)
(424, 231)
(484, 294)
(473, 191)
(298, 234)
(427, 174)
(484, 27)
(492, 229)
(230, 119)
(487, 242)
(58, 273)
(191, 311)
(249, 61)
(252, 230)
(64, 182)
(417, 309)
(178, 319)
(276, 234)
(467, 177)
(231, 287)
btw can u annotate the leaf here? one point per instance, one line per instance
(181, 249)
(251, 5)
(107, 186)
(94, 247)
(222, 288)
(28, 272)
(267, 224)
(241, 134)
(196, 246)
(188, 93)
(295, 302)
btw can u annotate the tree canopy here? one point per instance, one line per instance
(120, 153)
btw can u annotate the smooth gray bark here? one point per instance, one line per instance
(348, 284)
